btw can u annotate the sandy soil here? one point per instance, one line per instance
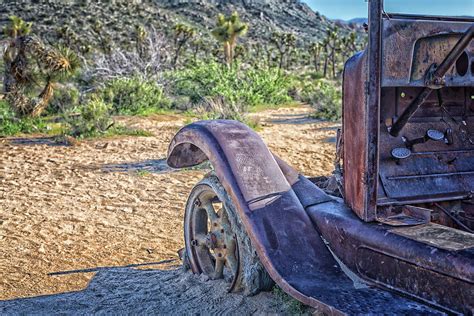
(109, 203)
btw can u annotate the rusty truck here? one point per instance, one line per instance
(399, 236)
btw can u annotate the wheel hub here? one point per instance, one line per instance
(218, 239)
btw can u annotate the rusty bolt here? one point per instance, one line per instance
(213, 241)
(194, 242)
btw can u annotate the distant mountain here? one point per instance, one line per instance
(264, 16)
(118, 18)
(358, 20)
(352, 23)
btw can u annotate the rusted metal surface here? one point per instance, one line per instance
(433, 79)
(439, 236)
(373, 107)
(412, 46)
(284, 236)
(412, 266)
(436, 170)
(394, 97)
(211, 245)
(361, 113)
(404, 215)
(355, 134)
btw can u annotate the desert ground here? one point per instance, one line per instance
(99, 222)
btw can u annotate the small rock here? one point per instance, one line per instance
(204, 278)
(127, 210)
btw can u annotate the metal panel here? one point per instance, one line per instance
(361, 113)
(436, 169)
(355, 133)
(373, 107)
(426, 271)
(411, 46)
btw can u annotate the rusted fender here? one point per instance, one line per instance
(270, 198)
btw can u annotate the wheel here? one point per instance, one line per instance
(216, 243)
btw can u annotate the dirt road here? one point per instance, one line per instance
(113, 203)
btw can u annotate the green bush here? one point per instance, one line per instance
(65, 98)
(11, 125)
(326, 97)
(217, 108)
(245, 87)
(93, 119)
(294, 307)
(131, 96)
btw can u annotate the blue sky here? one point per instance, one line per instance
(347, 9)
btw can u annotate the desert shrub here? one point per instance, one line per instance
(215, 108)
(146, 63)
(93, 119)
(247, 87)
(130, 96)
(11, 125)
(118, 129)
(64, 99)
(326, 97)
(294, 307)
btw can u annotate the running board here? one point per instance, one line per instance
(310, 270)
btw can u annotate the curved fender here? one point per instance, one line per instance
(237, 153)
(270, 198)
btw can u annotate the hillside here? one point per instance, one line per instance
(87, 23)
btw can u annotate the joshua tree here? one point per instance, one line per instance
(17, 28)
(269, 55)
(349, 45)
(67, 35)
(227, 31)
(140, 39)
(182, 34)
(331, 48)
(104, 38)
(240, 52)
(284, 42)
(19, 75)
(197, 45)
(325, 51)
(315, 50)
(256, 48)
(71, 39)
